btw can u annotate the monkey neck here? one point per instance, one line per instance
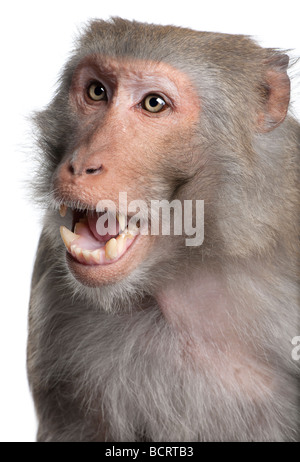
(197, 306)
(205, 309)
(205, 312)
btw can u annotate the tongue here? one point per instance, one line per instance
(86, 240)
(103, 226)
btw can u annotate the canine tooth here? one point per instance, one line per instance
(63, 210)
(122, 221)
(79, 226)
(67, 236)
(111, 249)
(121, 243)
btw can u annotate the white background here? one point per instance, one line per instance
(35, 38)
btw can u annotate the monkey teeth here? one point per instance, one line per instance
(113, 249)
(67, 236)
(80, 226)
(63, 210)
(122, 221)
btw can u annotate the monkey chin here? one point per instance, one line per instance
(100, 275)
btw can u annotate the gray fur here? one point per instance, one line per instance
(105, 364)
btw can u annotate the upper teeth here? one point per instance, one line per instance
(79, 226)
(63, 210)
(122, 221)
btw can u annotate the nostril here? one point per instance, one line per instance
(79, 170)
(71, 169)
(93, 171)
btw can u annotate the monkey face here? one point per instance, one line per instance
(129, 118)
(157, 131)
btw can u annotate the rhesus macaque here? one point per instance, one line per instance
(141, 337)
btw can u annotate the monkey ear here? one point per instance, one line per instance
(276, 94)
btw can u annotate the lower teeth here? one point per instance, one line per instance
(113, 248)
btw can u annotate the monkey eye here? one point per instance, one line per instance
(96, 91)
(153, 103)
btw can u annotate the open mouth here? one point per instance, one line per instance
(89, 246)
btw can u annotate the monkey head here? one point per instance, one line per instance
(157, 118)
